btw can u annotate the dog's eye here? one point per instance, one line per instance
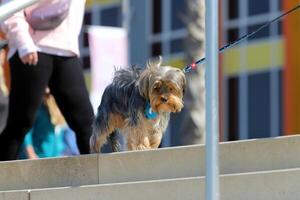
(171, 89)
(156, 89)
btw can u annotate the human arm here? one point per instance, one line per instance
(18, 33)
(2, 58)
(31, 153)
(28, 144)
(30, 58)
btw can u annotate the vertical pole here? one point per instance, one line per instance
(8, 9)
(212, 109)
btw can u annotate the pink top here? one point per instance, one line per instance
(62, 41)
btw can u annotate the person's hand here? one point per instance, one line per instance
(30, 59)
(31, 153)
(2, 58)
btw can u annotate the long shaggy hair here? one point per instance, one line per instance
(126, 101)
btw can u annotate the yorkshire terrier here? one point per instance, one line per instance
(138, 103)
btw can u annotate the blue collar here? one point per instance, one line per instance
(149, 113)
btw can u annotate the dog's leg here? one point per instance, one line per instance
(97, 140)
(155, 140)
(137, 141)
(115, 144)
(102, 132)
(134, 147)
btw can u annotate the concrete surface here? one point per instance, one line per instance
(14, 195)
(189, 161)
(166, 163)
(152, 165)
(273, 185)
(28, 174)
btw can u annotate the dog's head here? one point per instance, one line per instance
(163, 86)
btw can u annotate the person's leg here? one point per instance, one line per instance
(28, 84)
(3, 110)
(69, 90)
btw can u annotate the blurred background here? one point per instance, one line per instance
(259, 84)
(259, 78)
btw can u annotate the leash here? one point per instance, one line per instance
(193, 66)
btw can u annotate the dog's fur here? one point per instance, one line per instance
(124, 101)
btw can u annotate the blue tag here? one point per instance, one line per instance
(149, 113)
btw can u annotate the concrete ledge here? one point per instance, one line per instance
(275, 185)
(260, 154)
(152, 165)
(14, 195)
(189, 161)
(45, 173)
(166, 163)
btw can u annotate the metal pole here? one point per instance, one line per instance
(9, 8)
(212, 97)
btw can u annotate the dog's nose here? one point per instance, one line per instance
(164, 99)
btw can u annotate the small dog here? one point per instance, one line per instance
(138, 103)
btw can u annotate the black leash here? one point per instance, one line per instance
(231, 44)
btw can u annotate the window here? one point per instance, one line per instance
(176, 46)
(233, 9)
(245, 16)
(253, 98)
(259, 105)
(263, 33)
(111, 16)
(233, 34)
(87, 20)
(233, 115)
(156, 49)
(167, 27)
(177, 13)
(256, 7)
(86, 62)
(156, 16)
(85, 39)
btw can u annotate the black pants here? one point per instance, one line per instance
(65, 78)
(3, 110)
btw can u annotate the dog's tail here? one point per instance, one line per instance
(94, 146)
(99, 127)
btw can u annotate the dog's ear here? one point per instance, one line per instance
(154, 63)
(182, 80)
(184, 86)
